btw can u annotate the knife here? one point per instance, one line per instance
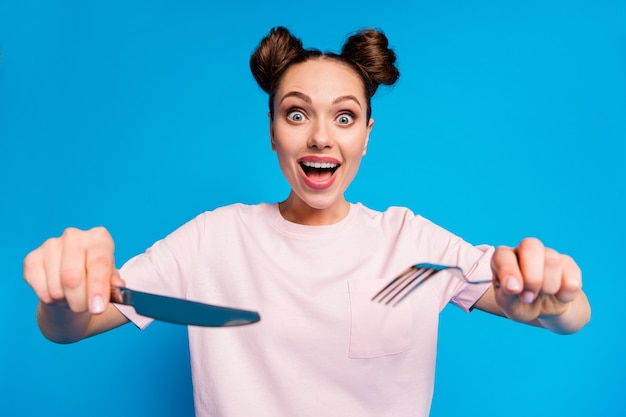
(179, 311)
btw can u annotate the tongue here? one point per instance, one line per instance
(319, 175)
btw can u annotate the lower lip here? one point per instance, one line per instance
(319, 185)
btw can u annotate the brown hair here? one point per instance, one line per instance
(366, 51)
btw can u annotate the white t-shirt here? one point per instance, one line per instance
(321, 347)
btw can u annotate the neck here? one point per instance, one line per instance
(297, 211)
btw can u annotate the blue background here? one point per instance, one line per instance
(508, 121)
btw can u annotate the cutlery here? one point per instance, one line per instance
(180, 311)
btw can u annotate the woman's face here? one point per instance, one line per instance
(320, 133)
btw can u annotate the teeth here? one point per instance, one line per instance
(319, 165)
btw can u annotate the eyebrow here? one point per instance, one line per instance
(307, 99)
(347, 98)
(297, 94)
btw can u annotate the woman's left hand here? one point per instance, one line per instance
(533, 282)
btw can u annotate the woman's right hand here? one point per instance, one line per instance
(76, 269)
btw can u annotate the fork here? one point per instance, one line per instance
(414, 276)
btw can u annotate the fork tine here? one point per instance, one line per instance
(399, 284)
(393, 284)
(405, 283)
(428, 272)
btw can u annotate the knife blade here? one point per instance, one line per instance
(180, 311)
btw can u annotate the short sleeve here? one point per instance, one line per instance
(165, 268)
(467, 294)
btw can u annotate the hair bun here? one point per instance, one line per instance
(275, 52)
(369, 50)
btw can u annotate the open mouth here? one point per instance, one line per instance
(318, 171)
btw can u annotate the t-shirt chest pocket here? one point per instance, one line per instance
(377, 329)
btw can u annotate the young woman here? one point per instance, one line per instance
(309, 264)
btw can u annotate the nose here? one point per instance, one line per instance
(320, 136)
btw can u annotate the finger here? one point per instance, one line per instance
(571, 283)
(531, 257)
(506, 270)
(52, 267)
(117, 279)
(552, 273)
(35, 275)
(73, 274)
(100, 270)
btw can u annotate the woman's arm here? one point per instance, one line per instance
(61, 325)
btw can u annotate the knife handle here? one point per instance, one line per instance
(119, 295)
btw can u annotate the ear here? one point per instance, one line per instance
(370, 125)
(269, 116)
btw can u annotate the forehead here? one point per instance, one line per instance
(322, 77)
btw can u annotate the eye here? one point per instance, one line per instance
(345, 119)
(295, 115)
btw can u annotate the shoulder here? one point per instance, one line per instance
(223, 221)
(391, 215)
(238, 210)
(234, 214)
(403, 220)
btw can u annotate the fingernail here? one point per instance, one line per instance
(528, 297)
(97, 305)
(512, 284)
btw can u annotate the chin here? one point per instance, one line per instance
(321, 201)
